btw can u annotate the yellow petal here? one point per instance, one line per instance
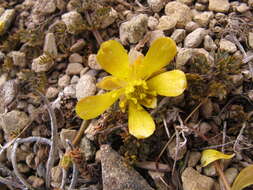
(211, 155)
(244, 179)
(140, 123)
(113, 58)
(109, 83)
(150, 102)
(92, 106)
(161, 52)
(171, 83)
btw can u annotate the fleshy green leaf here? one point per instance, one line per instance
(244, 179)
(211, 155)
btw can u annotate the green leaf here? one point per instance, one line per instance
(244, 179)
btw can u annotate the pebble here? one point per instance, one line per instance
(191, 26)
(152, 22)
(155, 35)
(18, 58)
(110, 18)
(64, 81)
(117, 175)
(242, 8)
(36, 182)
(209, 44)
(166, 23)
(67, 134)
(39, 65)
(156, 5)
(52, 92)
(93, 63)
(207, 109)
(228, 46)
(178, 35)
(194, 159)
(23, 168)
(193, 180)
(13, 121)
(187, 2)
(44, 7)
(74, 79)
(203, 18)
(78, 46)
(88, 148)
(185, 54)
(250, 95)
(195, 38)
(179, 11)
(231, 174)
(219, 5)
(75, 58)
(204, 128)
(157, 178)
(133, 30)
(86, 86)
(2, 56)
(50, 44)
(210, 170)
(200, 7)
(73, 5)
(74, 22)
(74, 68)
(250, 39)
(70, 91)
(5, 20)
(172, 147)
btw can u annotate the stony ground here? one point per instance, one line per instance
(48, 62)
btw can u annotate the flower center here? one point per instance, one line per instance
(137, 91)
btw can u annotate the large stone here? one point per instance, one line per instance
(86, 86)
(50, 44)
(117, 175)
(133, 30)
(5, 20)
(179, 11)
(166, 23)
(74, 22)
(195, 38)
(192, 180)
(110, 18)
(44, 7)
(203, 18)
(178, 35)
(228, 46)
(13, 121)
(219, 5)
(74, 68)
(209, 44)
(156, 5)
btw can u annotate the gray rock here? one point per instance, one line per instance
(250, 39)
(117, 175)
(93, 63)
(192, 180)
(8, 92)
(133, 30)
(6, 19)
(42, 63)
(79, 45)
(110, 18)
(44, 7)
(194, 159)
(209, 44)
(191, 26)
(195, 38)
(203, 18)
(87, 148)
(174, 152)
(185, 54)
(210, 170)
(50, 44)
(228, 46)
(179, 11)
(18, 58)
(64, 81)
(242, 8)
(74, 68)
(166, 23)
(152, 22)
(52, 92)
(219, 5)
(86, 86)
(75, 58)
(156, 5)
(13, 121)
(74, 22)
(70, 91)
(74, 79)
(67, 134)
(178, 35)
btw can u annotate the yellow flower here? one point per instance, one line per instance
(136, 83)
